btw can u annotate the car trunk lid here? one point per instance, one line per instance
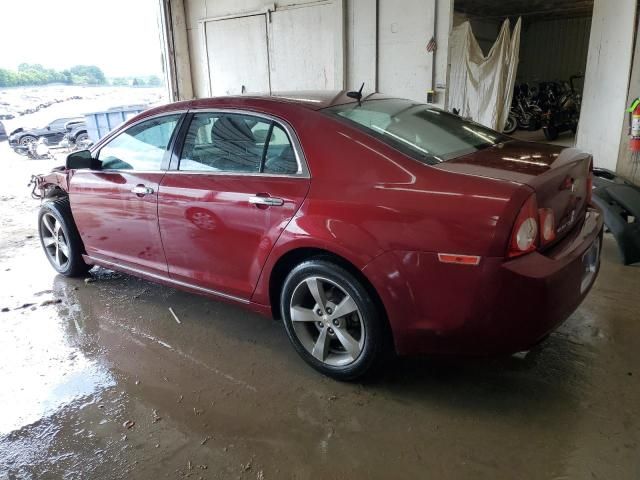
(559, 176)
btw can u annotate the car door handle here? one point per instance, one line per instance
(267, 201)
(142, 190)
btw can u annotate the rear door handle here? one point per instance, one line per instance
(142, 190)
(267, 201)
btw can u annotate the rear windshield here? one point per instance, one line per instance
(420, 131)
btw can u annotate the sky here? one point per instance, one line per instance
(119, 36)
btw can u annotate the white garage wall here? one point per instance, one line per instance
(385, 42)
(607, 80)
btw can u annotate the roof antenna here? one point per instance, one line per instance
(357, 95)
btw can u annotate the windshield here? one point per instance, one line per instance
(420, 131)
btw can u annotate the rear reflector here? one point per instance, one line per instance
(459, 259)
(547, 225)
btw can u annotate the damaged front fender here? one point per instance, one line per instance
(50, 185)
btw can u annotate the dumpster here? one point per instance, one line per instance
(101, 123)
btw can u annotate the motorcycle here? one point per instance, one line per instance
(562, 110)
(525, 113)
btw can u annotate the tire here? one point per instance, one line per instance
(60, 239)
(81, 138)
(26, 140)
(511, 125)
(318, 335)
(551, 133)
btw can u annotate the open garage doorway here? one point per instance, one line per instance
(550, 76)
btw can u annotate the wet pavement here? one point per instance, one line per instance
(98, 380)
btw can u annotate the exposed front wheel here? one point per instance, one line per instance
(331, 320)
(511, 125)
(60, 239)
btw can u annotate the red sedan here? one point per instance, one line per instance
(363, 225)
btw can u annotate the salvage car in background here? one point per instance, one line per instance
(363, 223)
(53, 133)
(76, 136)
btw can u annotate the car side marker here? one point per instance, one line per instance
(459, 259)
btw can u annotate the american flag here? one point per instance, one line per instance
(432, 45)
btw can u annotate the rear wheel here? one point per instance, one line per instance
(60, 239)
(331, 320)
(81, 138)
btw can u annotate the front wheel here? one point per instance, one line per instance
(60, 239)
(27, 140)
(511, 125)
(331, 320)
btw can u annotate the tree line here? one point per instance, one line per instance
(35, 74)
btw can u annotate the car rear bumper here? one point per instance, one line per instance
(499, 306)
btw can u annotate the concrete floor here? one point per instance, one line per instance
(99, 381)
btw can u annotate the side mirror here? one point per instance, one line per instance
(82, 159)
(48, 127)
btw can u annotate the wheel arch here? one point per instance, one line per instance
(290, 259)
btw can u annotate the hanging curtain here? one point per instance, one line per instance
(482, 87)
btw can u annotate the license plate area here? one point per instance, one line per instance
(590, 263)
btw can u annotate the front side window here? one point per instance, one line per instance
(420, 131)
(236, 143)
(141, 147)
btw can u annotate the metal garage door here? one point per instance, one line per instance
(295, 48)
(303, 50)
(238, 55)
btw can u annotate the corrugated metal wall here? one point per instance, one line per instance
(554, 49)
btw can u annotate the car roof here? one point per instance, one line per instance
(312, 100)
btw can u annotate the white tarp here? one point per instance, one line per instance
(482, 87)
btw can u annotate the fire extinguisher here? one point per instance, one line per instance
(634, 113)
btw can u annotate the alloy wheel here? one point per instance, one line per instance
(327, 321)
(26, 141)
(54, 241)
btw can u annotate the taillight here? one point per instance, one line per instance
(524, 237)
(547, 225)
(590, 183)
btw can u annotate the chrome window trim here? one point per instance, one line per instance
(301, 160)
(107, 140)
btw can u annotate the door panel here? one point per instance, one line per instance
(214, 235)
(115, 223)
(237, 51)
(116, 209)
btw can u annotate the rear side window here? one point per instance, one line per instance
(141, 147)
(236, 143)
(420, 131)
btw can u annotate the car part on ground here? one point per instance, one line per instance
(620, 202)
(34, 149)
(225, 206)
